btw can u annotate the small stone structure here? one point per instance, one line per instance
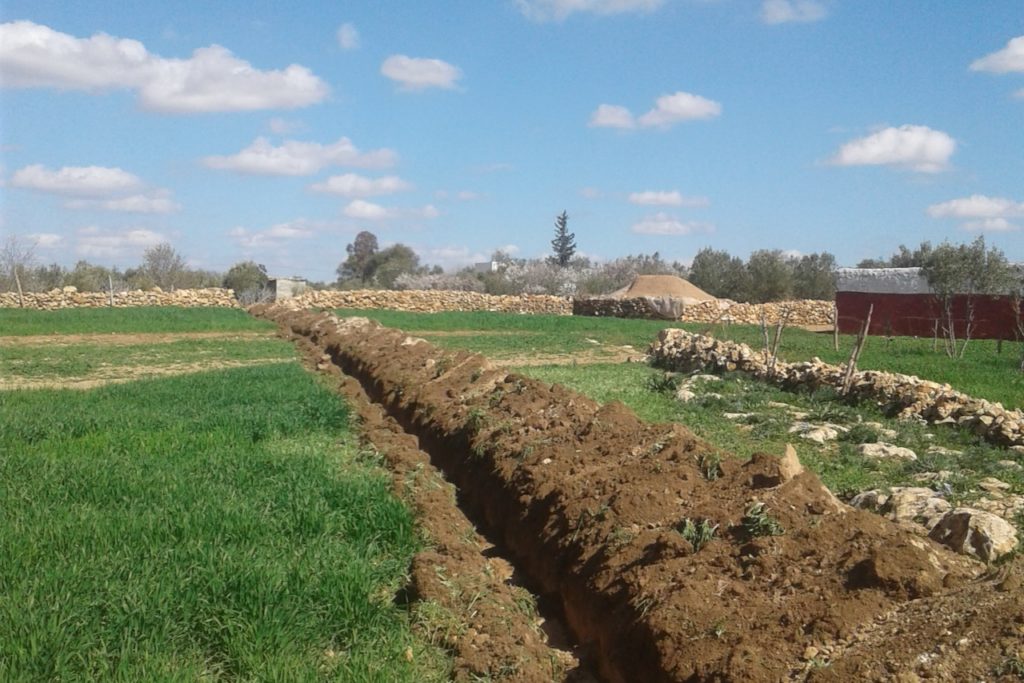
(282, 288)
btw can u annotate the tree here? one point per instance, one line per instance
(384, 267)
(564, 244)
(163, 266)
(770, 276)
(720, 275)
(360, 252)
(248, 279)
(902, 258)
(814, 276)
(17, 258)
(965, 271)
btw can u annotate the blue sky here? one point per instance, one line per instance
(277, 131)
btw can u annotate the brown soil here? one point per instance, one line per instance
(125, 339)
(662, 285)
(590, 503)
(127, 373)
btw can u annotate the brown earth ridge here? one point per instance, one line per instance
(591, 503)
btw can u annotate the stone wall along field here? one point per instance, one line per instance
(431, 301)
(905, 395)
(802, 313)
(69, 297)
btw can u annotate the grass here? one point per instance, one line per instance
(144, 319)
(213, 526)
(79, 360)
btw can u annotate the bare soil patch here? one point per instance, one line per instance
(598, 508)
(126, 339)
(119, 374)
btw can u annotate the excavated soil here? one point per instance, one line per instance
(591, 504)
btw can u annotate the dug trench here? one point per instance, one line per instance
(672, 560)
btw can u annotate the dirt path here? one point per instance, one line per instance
(117, 339)
(128, 373)
(671, 562)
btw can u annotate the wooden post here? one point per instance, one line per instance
(110, 288)
(835, 326)
(851, 365)
(17, 281)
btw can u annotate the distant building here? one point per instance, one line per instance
(486, 267)
(904, 305)
(282, 288)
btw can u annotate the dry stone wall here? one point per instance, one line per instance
(806, 312)
(69, 297)
(431, 301)
(904, 395)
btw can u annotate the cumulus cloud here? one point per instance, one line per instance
(668, 110)
(294, 158)
(211, 80)
(665, 224)
(612, 116)
(1009, 59)
(917, 148)
(990, 214)
(787, 11)
(93, 242)
(418, 73)
(557, 10)
(348, 37)
(360, 209)
(353, 185)
(663, 198)
(81, 181)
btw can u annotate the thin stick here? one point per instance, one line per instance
(17, 281)
(851, 365)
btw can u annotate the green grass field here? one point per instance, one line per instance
(151, 319)
(219, 525)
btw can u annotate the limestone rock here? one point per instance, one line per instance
(975, 532)
(885, 451)
(915, 504)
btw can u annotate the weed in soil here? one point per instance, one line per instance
(757, 522)
(698, 533)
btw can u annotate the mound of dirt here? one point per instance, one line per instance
(672, 561)
(662, 286)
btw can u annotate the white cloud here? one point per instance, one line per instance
(662, 198)
(680, 106)
(360, 209)
(81, 181)
(155, 202)
(786, 11)
(274, 237)
(294, 158)
(664, 224)
(557, 10)
(353, 185)
(977, 206)
(990, 225)
(92, 242)
(918, 148)
(368, 211)
(611, 116)
(348, 37)
(989, 214)
(418, 73)
(211, 80)
(46, 240)
(1009, 59)
(668, 110)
